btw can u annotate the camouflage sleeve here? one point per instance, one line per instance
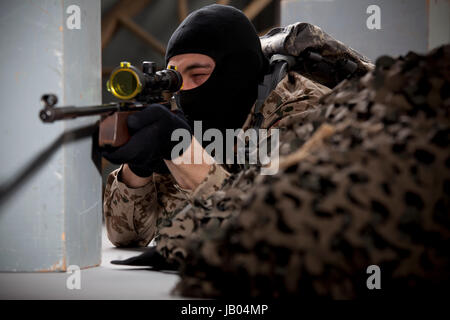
(175, 227)
(212, 183)
(130, 213)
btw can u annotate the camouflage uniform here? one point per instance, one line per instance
(365, 180)
(133, 216)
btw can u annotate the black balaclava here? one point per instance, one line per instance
(226, 35)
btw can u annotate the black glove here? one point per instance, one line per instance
(150, 257)
(146, 170)
(151, 130)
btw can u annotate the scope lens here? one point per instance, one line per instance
(124, 83)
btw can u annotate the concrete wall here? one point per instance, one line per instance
(50, 190)
(438, 23)
(416, 25)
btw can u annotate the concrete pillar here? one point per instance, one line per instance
(50, 190)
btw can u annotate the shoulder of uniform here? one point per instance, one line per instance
(292, 89)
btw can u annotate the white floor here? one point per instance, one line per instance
(104, 282)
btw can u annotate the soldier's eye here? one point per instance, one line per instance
(199, 77)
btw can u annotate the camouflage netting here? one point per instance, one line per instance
(376, 191)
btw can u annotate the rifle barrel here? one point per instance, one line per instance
(51, 114)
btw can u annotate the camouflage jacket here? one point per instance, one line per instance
(134, 216)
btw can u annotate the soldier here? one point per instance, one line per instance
(219, 55)
(223, 64)
(364, 183)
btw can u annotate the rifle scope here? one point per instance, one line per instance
(126, 81)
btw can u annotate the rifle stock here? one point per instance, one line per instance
(114, 129)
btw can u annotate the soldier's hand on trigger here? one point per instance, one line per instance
(151, 130)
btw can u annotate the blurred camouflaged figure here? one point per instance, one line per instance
(135, 216)
(368, 184)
